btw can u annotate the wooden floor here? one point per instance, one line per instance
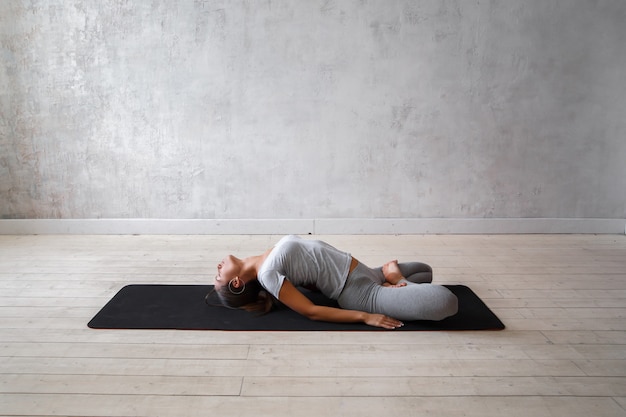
(562, 297)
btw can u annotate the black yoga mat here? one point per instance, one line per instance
(183, 307)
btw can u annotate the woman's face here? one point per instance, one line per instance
(227, 269)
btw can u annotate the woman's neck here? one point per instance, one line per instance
(251, 266)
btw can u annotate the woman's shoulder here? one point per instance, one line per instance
(285, 240)
(289, 238)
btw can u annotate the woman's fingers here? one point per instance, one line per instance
(398, 285)
(393, 323)
(380, 320)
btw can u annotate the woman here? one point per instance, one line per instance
(379, 297)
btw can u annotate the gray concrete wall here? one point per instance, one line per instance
(312, 109)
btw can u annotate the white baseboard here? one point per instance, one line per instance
(310, 226)
(470, 226)
(157, 226)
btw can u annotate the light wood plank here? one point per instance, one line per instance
(474, 406)
(130, 366)
(166, 385)
(621, 401)
(433, 386)
(162, 350)
(601, 367)
(588, 337)
(606, 324)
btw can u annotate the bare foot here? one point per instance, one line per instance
(392, 273)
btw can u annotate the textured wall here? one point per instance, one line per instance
(312, 109)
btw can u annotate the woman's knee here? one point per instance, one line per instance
(448, 305)
(417, 272)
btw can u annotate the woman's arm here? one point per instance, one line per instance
(294, 299)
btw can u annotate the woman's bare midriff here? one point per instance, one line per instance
(353, 265)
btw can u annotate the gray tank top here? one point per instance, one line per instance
(305, 262)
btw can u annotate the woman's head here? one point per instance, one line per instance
(234, 292)
(229, 268)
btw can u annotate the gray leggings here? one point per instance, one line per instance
(418, 300)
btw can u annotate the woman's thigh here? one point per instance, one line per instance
(415, 302)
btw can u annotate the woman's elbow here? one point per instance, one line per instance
(314, 315)
(311, 313)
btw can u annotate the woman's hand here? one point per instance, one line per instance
(380, 320)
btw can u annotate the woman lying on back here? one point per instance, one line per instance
(380, 297)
